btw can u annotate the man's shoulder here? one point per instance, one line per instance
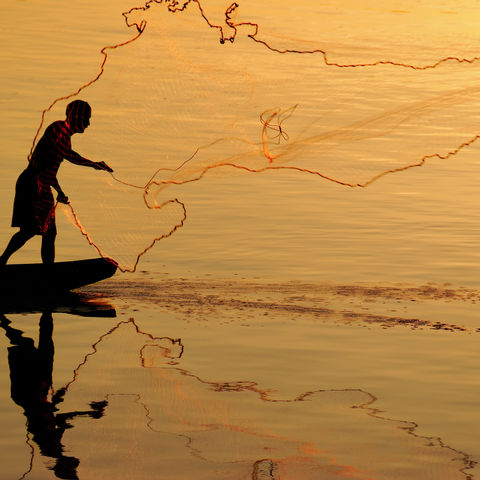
(58, 124)
(58, 129)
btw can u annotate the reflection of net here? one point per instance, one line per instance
(196, 428)
(32, 456)
(172, 75)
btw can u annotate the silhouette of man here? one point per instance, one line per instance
(31, 380)
(34, 206)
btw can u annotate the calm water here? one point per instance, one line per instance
(294, 327)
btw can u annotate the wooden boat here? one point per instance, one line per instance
(36, 279)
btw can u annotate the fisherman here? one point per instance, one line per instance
(34, 206)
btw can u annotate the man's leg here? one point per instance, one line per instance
(16, 242)
(48, 245)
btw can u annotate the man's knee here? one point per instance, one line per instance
(26, 233)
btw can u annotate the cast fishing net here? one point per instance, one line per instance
(198, 92)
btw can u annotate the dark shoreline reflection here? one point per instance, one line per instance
(31, 372)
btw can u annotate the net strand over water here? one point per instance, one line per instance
(308, 134)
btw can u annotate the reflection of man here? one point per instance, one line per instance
(31, 379)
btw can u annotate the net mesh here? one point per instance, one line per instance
(208, 90)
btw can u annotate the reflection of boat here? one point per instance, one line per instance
(69, 302)
(34, 279)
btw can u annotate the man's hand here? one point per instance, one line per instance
(62, 198)
(102, 166)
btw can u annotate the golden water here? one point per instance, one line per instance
(293, 327)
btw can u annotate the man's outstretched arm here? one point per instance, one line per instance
(77, 159)
(64, 148)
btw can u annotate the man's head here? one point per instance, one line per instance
(78, 115)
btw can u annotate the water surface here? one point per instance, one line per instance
(293, 327)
